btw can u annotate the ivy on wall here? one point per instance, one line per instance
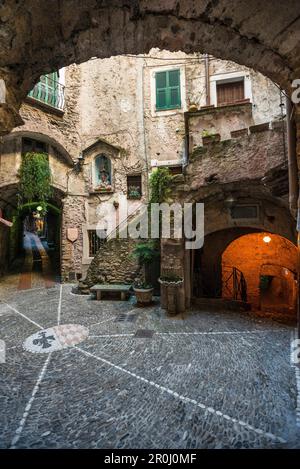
(160, 181)
(35, 178)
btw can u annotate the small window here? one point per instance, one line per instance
(134, 187)
(244, 211)
(102, 174)
(230, 92)
(168, 90)
(95, 242)
(33, 146)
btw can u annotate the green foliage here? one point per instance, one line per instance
(145, 252)
(207, 133)
(35, 178)
(134, 192)
(160, 181)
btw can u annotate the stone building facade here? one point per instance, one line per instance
(111, 122)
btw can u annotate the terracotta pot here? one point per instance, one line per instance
(206, 140)
(143, 295)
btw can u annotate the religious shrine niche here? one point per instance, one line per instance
(102, 174)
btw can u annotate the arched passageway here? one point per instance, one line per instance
(31, 248)
(240, 31)
(268, 264)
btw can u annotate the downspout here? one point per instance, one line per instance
(207, 84)
(292, 158)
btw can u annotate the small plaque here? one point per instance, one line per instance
(72, 234)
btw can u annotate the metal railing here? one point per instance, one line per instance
(234, 284)
(50, 92)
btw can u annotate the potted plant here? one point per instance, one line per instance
(210, 137)
(145, 253)
(134, 192)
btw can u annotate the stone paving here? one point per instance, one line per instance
(141, 379)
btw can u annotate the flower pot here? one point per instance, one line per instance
(143, 295)
(208, 139)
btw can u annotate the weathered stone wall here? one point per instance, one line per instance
(248, 157)
(73, 216)
(114, 263)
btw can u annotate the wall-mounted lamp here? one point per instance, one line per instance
(80, 162)
(229, 201)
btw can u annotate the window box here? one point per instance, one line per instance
(208, 139)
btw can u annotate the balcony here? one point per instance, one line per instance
(49, 93)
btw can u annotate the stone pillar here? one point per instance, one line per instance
(172, 264)
(73, 217)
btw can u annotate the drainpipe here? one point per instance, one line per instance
(292, 158)
(207, 84)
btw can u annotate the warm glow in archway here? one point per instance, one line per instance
(268, 265)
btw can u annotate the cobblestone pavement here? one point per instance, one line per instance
(141, 379)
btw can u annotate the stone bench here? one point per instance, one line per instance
(101, 288)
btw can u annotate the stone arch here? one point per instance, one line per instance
(243, 33)
(40, 135)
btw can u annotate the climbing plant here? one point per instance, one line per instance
(35, 178)
(160, 181)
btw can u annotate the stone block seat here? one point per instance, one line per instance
(99, 289)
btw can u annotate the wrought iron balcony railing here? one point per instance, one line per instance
(49, 91)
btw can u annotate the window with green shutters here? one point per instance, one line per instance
(168, 90)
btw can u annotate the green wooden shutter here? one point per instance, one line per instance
(174, 88)
(168, 90)
(161, 90)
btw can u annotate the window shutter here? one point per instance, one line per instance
(168, 90)
(231, 92)
(161, 98)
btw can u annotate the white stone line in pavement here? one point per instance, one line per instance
(23, 315)
(185, 333)
(211, 410)
(102, 322)
(29, 404)
(217, 332)
(111, 335)
(59, 305)
(297, 377)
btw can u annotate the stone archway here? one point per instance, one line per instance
(36, 40)
(268, 263)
